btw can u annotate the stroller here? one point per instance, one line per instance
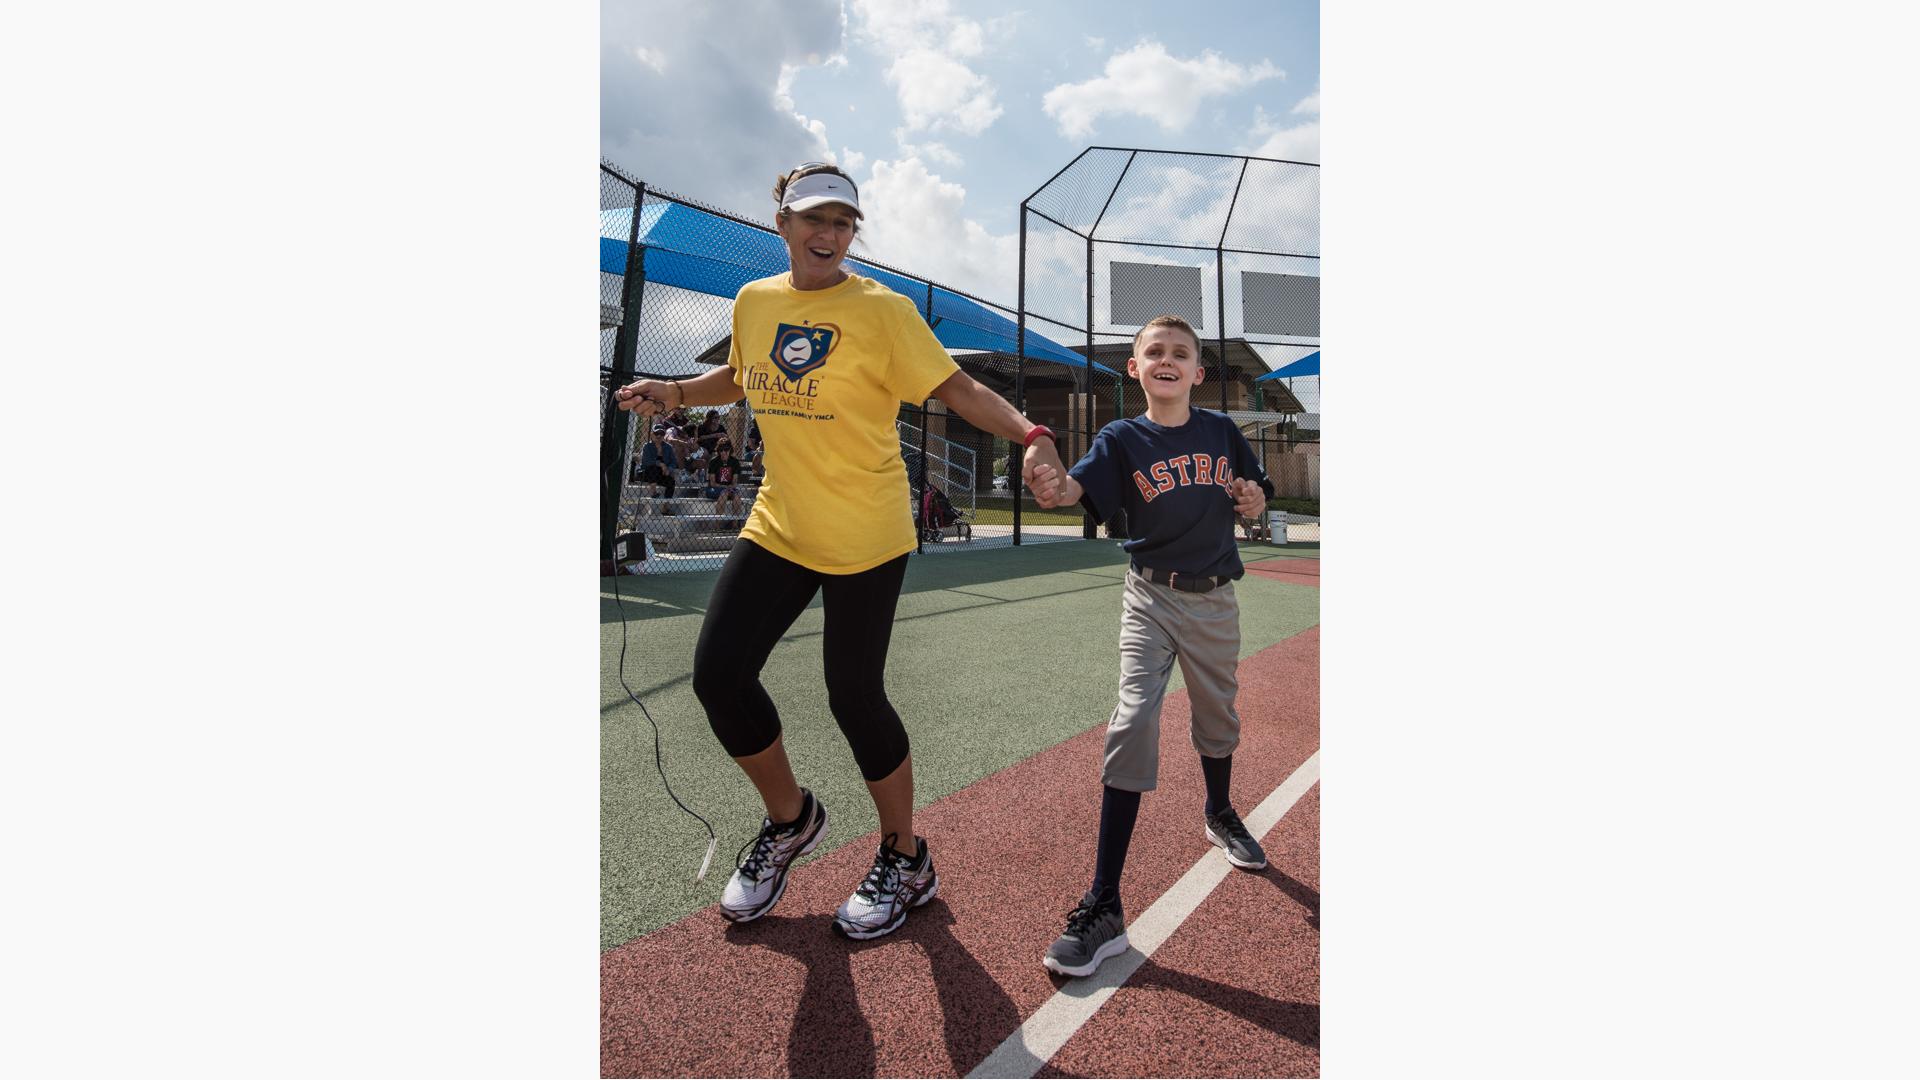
(937, 515)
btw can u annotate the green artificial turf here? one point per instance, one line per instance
(1029, 515)
(997, 654)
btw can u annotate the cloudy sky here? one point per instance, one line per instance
(947, 112)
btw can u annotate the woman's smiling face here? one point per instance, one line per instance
(817, 242)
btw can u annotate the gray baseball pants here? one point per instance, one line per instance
(1158, 625)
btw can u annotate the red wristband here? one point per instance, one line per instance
(1039, 431)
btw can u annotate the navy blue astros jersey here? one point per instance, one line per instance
(1172, 482)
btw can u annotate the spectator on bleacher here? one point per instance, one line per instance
(680, 437)
(723, 478)
(657, 460)
(754, 451)
(712, 429)
(826, 359)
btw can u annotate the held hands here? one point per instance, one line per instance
(1249, 499)
(1045, 475)
(648, 397)
(1047, 485)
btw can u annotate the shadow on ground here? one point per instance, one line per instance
(831, 1035)
(1296, 1021)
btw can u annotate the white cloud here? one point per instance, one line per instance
(936, 152)
(917, 222)
(1309, 105)
(723, 135)
(930, 46)
(1298, 143)
(937, 91)
(939, 154)
(783, 98)
(918, 24)
(1096, 43)
(852, 160)
(1147, 81)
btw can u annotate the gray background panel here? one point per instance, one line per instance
(1143, 290)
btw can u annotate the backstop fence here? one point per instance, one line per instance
(1228, 242)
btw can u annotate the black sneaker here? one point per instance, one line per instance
(1227, 831)
(1095, 931)
(894, 886)
(761, 877)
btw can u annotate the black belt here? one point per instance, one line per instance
(1182, 582)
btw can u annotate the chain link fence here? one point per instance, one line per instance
(670, 268)
(1229, 243)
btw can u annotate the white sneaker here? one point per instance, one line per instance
(759, 880)
(896, 885)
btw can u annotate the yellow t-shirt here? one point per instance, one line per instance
(825, 371)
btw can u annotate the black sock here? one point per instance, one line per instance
(1118, 809)
(1218, 771)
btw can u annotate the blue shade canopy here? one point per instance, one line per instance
(706, 253)
(1306, 365)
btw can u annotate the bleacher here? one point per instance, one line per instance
(685, 524)
(685, 534)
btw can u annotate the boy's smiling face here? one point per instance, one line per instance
(1167, 364)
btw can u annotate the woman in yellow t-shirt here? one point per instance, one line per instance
(825, 358)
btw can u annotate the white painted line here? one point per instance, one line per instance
(1047, 1030)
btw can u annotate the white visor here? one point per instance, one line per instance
(816, 188)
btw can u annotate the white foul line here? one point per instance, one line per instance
(1046, 1031)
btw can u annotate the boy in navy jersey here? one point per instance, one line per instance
(1181, 474)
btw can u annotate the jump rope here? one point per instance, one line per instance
(713, 839)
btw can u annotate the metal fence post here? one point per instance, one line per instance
(1087, 530)
(613, 441)
(920, 501)
(1220, 280)
(924, 479)
(1220, 284)
(1019, 379)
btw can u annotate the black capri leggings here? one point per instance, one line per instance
(758, 596)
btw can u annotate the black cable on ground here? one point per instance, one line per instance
(713, 839)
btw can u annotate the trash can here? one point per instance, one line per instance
(1277, 528)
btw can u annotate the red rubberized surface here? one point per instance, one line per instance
(1236, 990)
(783, 996)
(1291, 571)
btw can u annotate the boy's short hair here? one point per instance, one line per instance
(1174, 321)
